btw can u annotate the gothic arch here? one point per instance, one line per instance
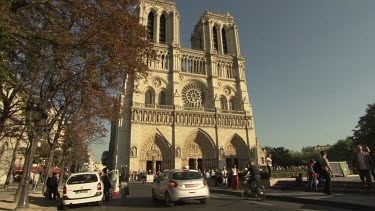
(237, 148)
(156, 148)
(199, 145)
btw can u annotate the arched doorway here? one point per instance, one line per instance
(236, 152)
(199, 151)
(155, 154)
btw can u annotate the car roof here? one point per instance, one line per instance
(86, 172)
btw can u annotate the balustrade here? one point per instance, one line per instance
(157, 114)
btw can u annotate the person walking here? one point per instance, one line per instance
(269, 164)
(52, 184)
(36, 178)
(326, 172)
(235, 177)
(106, 183)
(363, 163)
(372, 157)
(312, 176)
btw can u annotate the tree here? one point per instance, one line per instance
(364, 133)
(105, 158)
(342, 150)
(71, 56)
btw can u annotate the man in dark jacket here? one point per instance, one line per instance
(52, 184)
(106, 183)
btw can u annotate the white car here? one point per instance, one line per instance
(180, 185)
(83, 187)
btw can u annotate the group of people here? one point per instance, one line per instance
(230, 177)
(322, 169)
(363, 162)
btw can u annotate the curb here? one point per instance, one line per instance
(326, 203)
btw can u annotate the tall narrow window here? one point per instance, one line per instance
(162, 29)
(223, 103)
(231, 104)
(224, 38)
(150, 26)
(149, 98)
(214, 32)
(162, 98)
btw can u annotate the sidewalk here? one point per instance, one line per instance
(36, 199)
(360, 199)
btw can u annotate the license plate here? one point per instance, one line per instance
(190, 186)
(82, 191)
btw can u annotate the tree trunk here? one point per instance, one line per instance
(27, 165)
(52, 151)
(14, 157)
(62, 171)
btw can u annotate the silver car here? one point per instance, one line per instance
(180, 185)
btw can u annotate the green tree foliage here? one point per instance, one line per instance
(364, 133)
(342, 150)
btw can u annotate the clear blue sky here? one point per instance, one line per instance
(310, 64)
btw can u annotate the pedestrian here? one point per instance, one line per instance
(372, 157)
(52, 184)
(363, 163)
(235, 177)
(106, 183)
(225, 176)
(36, 178)
(326, 172)
(312, 176)
(269, 164)
(124, 179)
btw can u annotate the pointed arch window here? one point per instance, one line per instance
(224, 38)
(162, 30)
(162, 100)
(231, 104)
(149, 97)
(214, 32)
(150, 26)
(223, 103)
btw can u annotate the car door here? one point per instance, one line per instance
(164, 181)
(156, 185)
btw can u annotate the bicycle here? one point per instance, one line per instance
(251, 189)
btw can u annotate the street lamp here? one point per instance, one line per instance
(35, 122)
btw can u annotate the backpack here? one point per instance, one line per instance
(311, 169)
(318, 168)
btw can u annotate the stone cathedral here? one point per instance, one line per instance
(193, 109)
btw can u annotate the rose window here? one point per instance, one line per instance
(193, 95)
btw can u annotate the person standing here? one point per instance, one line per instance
(312, 176)
(371, 154)
(269, 164)
(124, 179)
(225, 176)
(326, 172)
(235, 177)
(52, 184)
(363, 163)
(36, 178)
(106, 183)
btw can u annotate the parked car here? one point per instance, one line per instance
(83, 187)
(180, 185)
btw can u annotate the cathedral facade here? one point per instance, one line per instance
(193, 109)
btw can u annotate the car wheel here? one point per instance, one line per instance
(203, 201)
(168, 202)
(100, 203)
(154, 195)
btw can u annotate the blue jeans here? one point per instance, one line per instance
(313, 181)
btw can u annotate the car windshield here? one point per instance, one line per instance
(186, 175)
(82, 178)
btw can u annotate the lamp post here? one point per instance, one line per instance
(35, 121)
